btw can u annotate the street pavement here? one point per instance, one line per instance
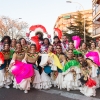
(52, 94)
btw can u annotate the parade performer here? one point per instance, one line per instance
(59, 76)
(40, 31)
(31, 57)
(70, 47)
(83, 48)
(40, 35)
(5, 77)
(56, 42)
(94, 72)
(5, 39)
(13, 44)
(24, 44)
(46, 82)
(71, 72)
(88, 84)
(94, 67)
(64, 43)
(45, 45)
(18, 56)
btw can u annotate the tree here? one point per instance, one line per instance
(77, 28)
(11, 27)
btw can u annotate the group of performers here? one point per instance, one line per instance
(57, 64)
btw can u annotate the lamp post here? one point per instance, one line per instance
(84, 17)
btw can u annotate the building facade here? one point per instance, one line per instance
(96, 18)
(65, 20)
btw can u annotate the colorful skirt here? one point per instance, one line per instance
(90, 83)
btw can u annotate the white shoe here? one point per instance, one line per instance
(7, 87)
(14, 86)
(25, 91)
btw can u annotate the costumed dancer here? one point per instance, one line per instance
(13, 45)
(71, 72)
(94, 67)
(59, 76)
(31, 57)
(56, 42)
(45, 45)
(56, 67)
(94, 73)
(45, 64)
(64, 43)
(18, 56)
(24, 45)
(5, 77)
(83, 48)
(5, 39)
(88, 84)
(40, 35)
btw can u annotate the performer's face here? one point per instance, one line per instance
(6, 41)
(33, 48)
(39, 35)
(56, 40)
(70, 45)
(18, 47)
(23, 41)
(93, 45)
(83, 46)
(6, 47)
(70, 54)
(50, 48)
(45, 41)
(13, 42)
(81, 59)
(64, 38)
(58, 49)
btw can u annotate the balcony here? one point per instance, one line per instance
(98, 8)
(96, 31)
(98, 18)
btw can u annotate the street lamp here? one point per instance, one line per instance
(84, 17)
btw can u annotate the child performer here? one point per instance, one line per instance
(19, 56)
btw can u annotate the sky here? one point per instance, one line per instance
(44, 12)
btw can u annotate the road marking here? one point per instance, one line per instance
(69, 95)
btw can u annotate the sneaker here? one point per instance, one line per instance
(25, 91)
(7, 87)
